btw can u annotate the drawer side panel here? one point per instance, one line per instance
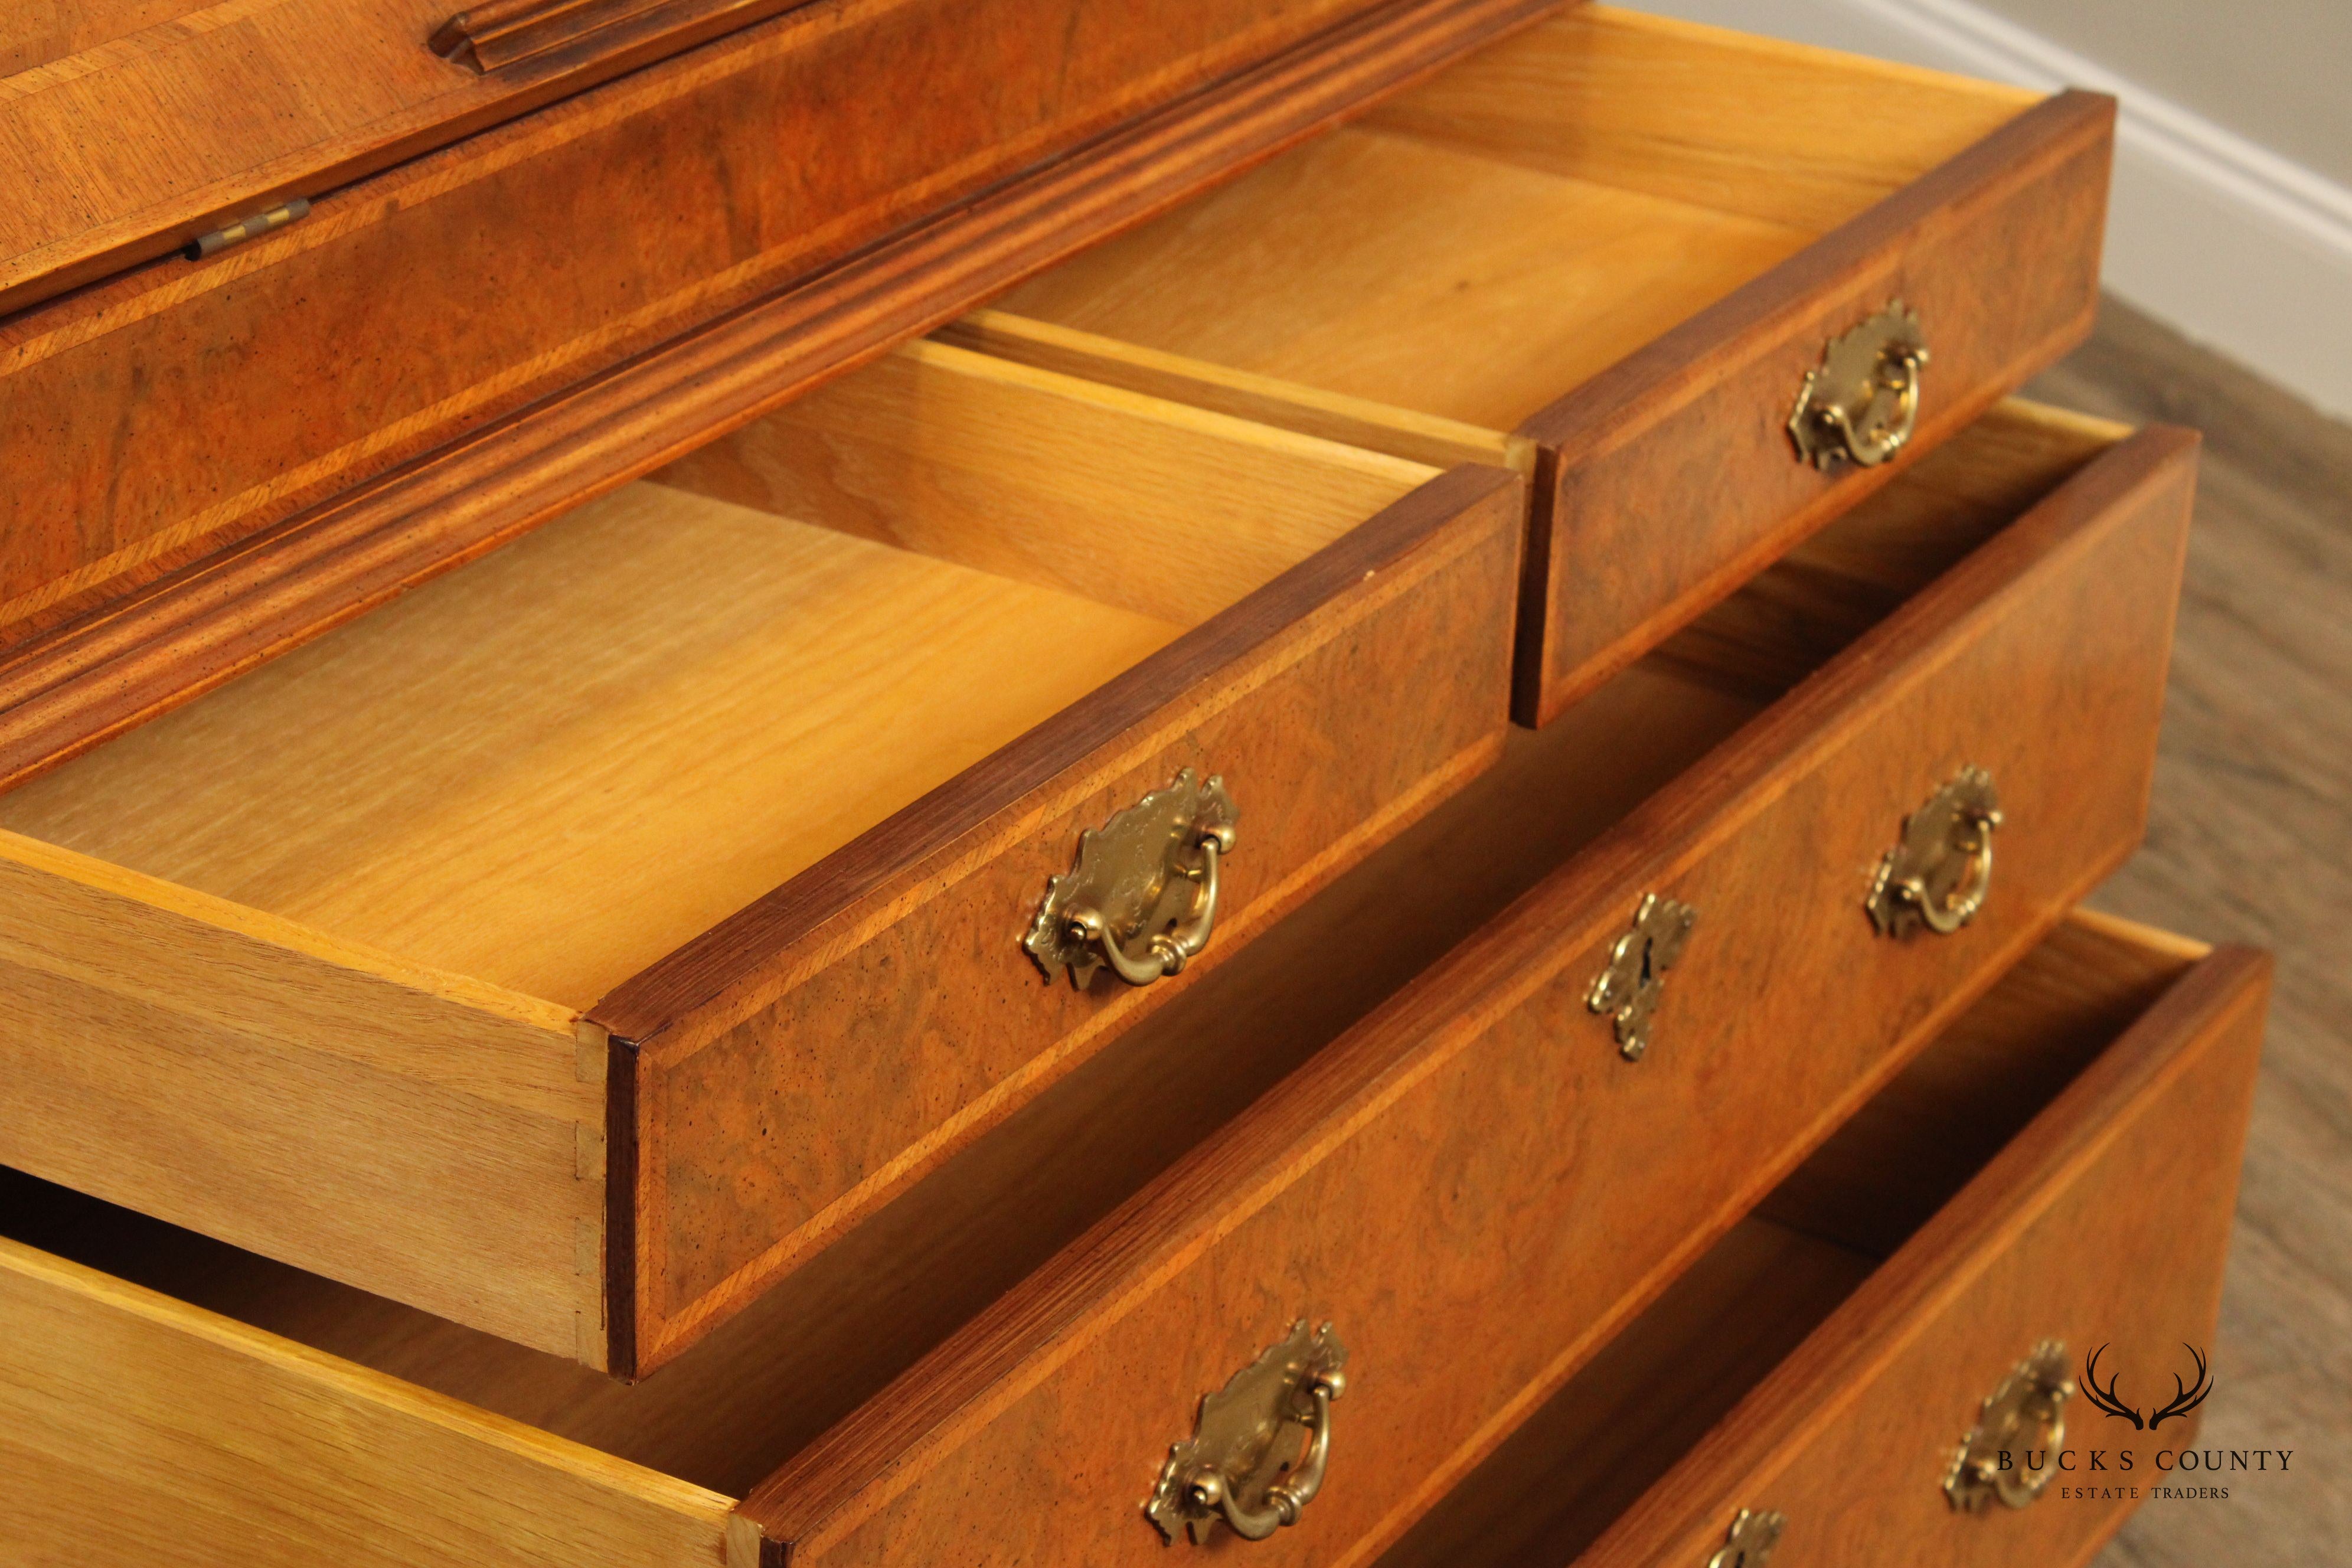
(196, 1062)
(1474, 1186)
(134, 1428)
(1671, 477)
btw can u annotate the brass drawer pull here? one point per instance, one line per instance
(1860, 406)
(1750, 1539)
(1940, 873)
(2025, 1417)
(1142, 896)
(1233, 1467)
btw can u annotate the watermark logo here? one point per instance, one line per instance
(2185, 1397)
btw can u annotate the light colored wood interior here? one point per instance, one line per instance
(555, 766)
(763, 1387)
(1471, 250)
(134, 1427)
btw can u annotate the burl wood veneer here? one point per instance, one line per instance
(1482, 1138)
(574, 948)
(1471, 1164)
(2062, 1163)
(1608, 250)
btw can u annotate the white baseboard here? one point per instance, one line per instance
(2238, 247)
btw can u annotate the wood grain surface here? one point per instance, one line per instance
(1480, 1112)
(552, 770)
(2249, 841)
(216, 109)
(541, 251)
(1655, 1391)
(1473, 249)
(756, 269)
(2104, 1222)
(1693, 215)
(136, 1427)
(551, 773)
(410, 1131)
(1997, 250)
(1314, 697)
(826, 1341)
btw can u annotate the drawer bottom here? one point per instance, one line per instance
(2058, 1169)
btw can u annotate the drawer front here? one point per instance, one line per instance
(746, 1141)
(1477, 1186)
(2105, 1224)
(1671, 477)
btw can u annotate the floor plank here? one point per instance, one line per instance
(2251, 840)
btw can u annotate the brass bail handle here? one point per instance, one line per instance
(1940, 874)
(1245, 1466)
(1211, 1491)
(2023, 1419)
(1862, 403)
(1167, 952)
(1141, 897)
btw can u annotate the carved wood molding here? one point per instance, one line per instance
(506, 32)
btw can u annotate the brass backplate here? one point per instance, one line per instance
(1860, 404)
(1636, 973)
(1938, 875)
(1135, 873)
(1749, 1542)
(2025, 1416)
(1248, 1429)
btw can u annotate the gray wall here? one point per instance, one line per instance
(2277, 72)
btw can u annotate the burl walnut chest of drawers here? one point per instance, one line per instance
(905, 782)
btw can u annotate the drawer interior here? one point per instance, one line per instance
(551, 768)
(761, 1387)
(1432, 275)
(1625, 1418)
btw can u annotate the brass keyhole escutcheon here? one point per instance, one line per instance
(1938, 876)
(1245, 1466)
(1630, 986)
(1142, 897)
(2022, 1418)
(1749, 1542)
(1862, 403)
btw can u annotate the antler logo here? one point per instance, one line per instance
(2184, 1400)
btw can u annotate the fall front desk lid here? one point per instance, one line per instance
(132, 129)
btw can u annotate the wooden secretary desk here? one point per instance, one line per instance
(987, 782)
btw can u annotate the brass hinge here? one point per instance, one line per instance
(246, 228)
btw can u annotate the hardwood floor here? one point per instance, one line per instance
(2252, 840)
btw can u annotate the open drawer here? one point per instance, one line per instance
(1893, 1360)
(1615, 251)
(1471, 1159)
(575, 946)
